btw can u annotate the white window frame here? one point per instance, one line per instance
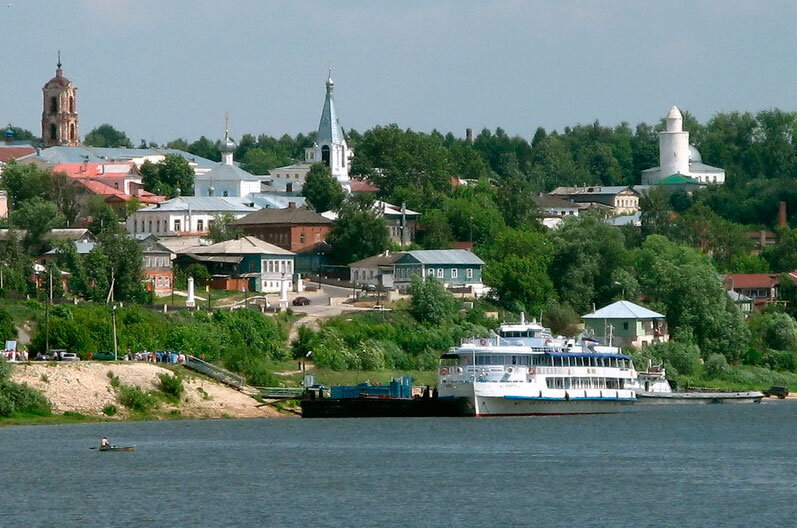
(441, 273)
(454, 273)
(469, 273)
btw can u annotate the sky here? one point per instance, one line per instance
(160, 70)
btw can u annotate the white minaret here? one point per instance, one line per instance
(330, 146)
(674, 146)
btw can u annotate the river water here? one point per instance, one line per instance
(712, 465)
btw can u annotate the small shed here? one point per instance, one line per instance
(625, 324)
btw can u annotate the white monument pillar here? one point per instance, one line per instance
(190, 302)
(674, 146)
(283, 294)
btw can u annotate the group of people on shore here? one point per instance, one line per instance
(161, 356)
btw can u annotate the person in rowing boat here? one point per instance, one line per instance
(105, 443)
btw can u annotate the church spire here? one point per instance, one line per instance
(227, 146)
(58, 71)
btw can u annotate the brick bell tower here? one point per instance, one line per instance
(59, 111)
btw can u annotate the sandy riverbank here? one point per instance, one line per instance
(86, 388)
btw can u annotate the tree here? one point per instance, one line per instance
(436, 232)
(322, 190)
(777, 331)
(357, 233)
(521, 283)
(8, 330)
(690, 291)
(586, 254)
(24, 181)
(37, 216)
(222, 228)
(168, 175)
(107, 136)
(430, 302)
(260, 161)
(102, 216)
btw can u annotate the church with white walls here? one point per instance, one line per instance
(678, 157)
(329, 148)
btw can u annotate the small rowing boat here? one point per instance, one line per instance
(118, 448)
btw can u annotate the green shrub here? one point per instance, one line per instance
(136, 399)
(679, 358)
(784, 360)
(716, 366)
(171, 385)
(18, 398)
(109, 410)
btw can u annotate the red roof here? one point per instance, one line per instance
(363, 186)
(100, 188)
(6, 153)
(94, 170)
(739, 281)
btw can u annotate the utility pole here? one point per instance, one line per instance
(115, 348)
(47, 314)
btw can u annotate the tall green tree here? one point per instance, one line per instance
(107, 136)
(357, 233)
(322, 190)
(168, 175)
(430, 302)
(222, 228)
(37, 217)
(690, 291)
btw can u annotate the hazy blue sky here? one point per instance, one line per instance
(165, 69)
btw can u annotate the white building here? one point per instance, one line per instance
(187, 215)
(677, 156)
(226, 179)
(329, 148)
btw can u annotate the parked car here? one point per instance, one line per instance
(44, 356)
(301, 301)
(102, 356)
(777, 391)
(69, 356)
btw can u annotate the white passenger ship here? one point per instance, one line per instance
(524, 370)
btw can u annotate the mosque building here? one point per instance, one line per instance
(678, 157)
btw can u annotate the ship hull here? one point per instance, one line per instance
(697, 398)
(490, 399)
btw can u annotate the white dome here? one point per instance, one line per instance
(694, 155)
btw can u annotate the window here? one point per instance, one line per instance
(469, 273)
(53, 104)
(325, 155)
(150, 226)
(430, 272)
(225, 193)
(454, 273)
(625, 325)
(301, 238)
(440, 273)
(71, 106)
(72, 132)
(200, 224)
(53, 131)
(177, 225)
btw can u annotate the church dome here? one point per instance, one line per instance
(694, 155)
(227, 145)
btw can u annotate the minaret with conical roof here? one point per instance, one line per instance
(59, 110)
(674, 145)
(330, 144)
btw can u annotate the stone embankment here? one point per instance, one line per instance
(86, 388)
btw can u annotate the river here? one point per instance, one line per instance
(711, 465)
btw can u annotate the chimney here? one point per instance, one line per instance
(469, 135)
(782, 220)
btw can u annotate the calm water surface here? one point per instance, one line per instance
(723, 465)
